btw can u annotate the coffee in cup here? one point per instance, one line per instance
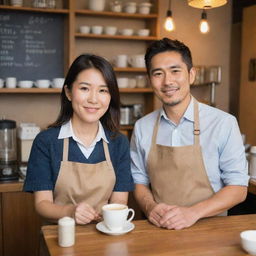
(115, 216)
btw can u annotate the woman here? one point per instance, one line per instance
(81, 162)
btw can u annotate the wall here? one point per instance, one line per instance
(210, 49)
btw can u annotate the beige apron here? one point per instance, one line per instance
(177, 174)
(77, 182)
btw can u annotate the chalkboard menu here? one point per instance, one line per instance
(31, 45)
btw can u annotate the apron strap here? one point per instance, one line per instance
(106, 151)
(65, 149)
(196, 123)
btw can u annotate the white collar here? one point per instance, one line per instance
(66, 131)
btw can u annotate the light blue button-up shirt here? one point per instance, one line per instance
(220, 139)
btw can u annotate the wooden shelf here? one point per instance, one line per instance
(117, 14)
(29, 90)
(130, 69)
(31, 9)
(120, 37)
(57, 90)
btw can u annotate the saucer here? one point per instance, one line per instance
(127, 228)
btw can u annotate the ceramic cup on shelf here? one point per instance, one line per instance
(130, 7)
(141, 81)
(126, 32)
(144, 8)
(11, 82)
(97, 5)
(123, 82)
(17, 2)
(1, 83)
(121, 61)
(43, 83)
(97, 30)
(137, 61)
(58, 82)
(25, 84)
(84, 29)
(110, 30)
(143, 32)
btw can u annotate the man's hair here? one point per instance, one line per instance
(168, 45)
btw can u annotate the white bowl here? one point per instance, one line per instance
(248, 241)
(123, 82)
(97, 30)
(127, 32)
(58, 82)
(110, 30)
(25, 84)
(85, 29)
(43, 83)
(143, 32)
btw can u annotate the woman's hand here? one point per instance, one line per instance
(84, 213)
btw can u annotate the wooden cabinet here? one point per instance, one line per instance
(19, 223)
(108, 46)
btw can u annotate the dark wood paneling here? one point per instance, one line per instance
(21, 225)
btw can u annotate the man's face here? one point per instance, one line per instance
(170, 78)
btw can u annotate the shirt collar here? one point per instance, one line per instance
(189, 113)
(66, 131)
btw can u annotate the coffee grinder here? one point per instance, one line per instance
(8, 151)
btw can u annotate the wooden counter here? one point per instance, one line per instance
(217, 236)
(15, 186)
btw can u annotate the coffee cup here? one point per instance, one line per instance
(248, 241)
(42, 83)
(141, 81)
(132, 83)
(96, 5)
(58, 82)
(11, 82)
(123, 82)
(126, 32)
(121, 61)
(137, 61)
(143, 32)
(130, 7)
(115, 216)
(144, 8)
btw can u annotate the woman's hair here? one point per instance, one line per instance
(165, 45)
(111, 118)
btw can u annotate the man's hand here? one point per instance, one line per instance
(178, 217)
(156, 212)
(84, 213)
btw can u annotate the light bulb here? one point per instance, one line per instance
(204, 26)
(169, 23)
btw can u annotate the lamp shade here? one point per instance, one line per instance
(206, 4)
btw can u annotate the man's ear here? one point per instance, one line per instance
(67, 92)
(192, 75)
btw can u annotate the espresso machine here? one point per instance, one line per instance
(8, 151)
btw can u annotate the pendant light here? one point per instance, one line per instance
(169, 23)
(204, 26)
(206, 4)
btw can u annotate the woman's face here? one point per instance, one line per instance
(89, 96)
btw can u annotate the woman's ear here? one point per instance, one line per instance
(67, 92)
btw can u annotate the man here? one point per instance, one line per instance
(188, 159)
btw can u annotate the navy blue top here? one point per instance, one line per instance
(47, 152)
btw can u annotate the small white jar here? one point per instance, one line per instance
(66, 232)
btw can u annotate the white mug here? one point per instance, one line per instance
(25, 84)
(84, 29)
(115, 216)
(121, 61)
(137, 61)
(141, 81)
(11, 82)
(110, 30)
